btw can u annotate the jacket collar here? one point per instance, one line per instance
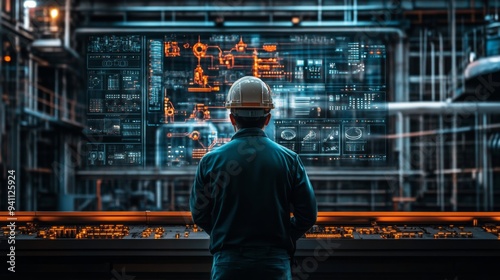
(248, 132)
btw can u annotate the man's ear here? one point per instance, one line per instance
(233, 121)
(268, 118)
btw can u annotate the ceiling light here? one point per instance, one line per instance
(29, 4)
(54, 12)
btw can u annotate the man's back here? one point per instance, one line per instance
(243, 193)
(248, 186)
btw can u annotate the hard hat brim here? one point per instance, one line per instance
(250, 113)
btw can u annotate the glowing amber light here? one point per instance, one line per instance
(54, 13)
(269, 48)
(7, 58)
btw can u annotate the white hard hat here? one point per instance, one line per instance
(252, 95)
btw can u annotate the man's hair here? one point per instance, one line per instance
(244, 118)
(249, 122)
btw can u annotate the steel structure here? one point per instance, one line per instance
(444, 139)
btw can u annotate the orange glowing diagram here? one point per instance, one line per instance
(172, 49)
(265, 61)
(200, 112)
(262, 62)
(168, 110)
(196, 136)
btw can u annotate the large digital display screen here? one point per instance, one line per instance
(158, 100)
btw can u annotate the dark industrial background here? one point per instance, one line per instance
(443, 102)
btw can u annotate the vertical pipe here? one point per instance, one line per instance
(32, 85)
(433, 72)
(484, 169)
(454, 163)
(56, 94)
(453, 34)
(440, 142)
(67, 25)
(407, 161)
(477, 160)
(349, 10)
(423, 46)
(402, 95)
(438, 160)
(26, 17)
(355, 11)
(496, 9)
(29, 91)
(320, 11)
(466, 50)
(400, 80)
(158, 194)
(17, 11)
(442, 79)
(30, 165)
(441, 165)
(34, 149)
(64, 99)
(404, 52)
(474, 41)
(422, 71)
(98, 194)
(489, 170)
(454, 80)
(17, 108)
(399, 132)
(346, 12)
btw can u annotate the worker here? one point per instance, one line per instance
(244, 192)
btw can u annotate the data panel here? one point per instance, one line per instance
(163, 94)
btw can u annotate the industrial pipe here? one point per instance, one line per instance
(438, 108)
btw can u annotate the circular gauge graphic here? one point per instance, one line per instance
(96, 81)
(353, 133)
(199, 49)
(288, 134)
(195, 135)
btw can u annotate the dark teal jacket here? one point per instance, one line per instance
(245, 190)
